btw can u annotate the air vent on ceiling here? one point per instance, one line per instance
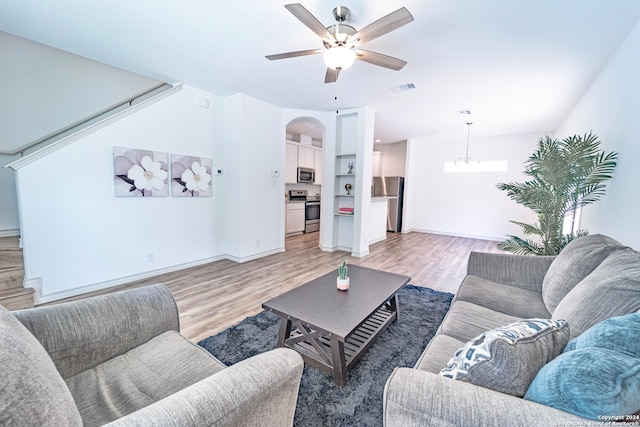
(402, 88)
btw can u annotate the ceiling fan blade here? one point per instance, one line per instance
(380, 59)
(382, 26)
(293, 54)
(300, 12)
(331, 76)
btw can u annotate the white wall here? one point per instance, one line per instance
(254, 143)
(9, 223)
(610, 109)
(464, 204)
(45, 90)
(393, 158)
(78, 236)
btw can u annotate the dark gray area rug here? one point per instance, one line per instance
(320, 401)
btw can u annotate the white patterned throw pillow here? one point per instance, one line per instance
(506, 359)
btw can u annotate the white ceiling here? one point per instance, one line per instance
(518, 65)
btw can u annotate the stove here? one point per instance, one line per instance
(298, 195)
(311, 209)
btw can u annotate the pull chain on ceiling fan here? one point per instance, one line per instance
(342, 41)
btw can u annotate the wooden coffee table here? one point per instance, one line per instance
(332, 329)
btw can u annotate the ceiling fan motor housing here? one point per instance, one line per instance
(344, 30)
(341, 13)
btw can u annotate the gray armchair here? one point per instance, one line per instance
(119, 359)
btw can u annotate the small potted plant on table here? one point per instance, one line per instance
(343, 279)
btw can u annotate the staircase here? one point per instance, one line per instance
(13, 295)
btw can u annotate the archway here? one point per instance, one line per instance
(304, 164)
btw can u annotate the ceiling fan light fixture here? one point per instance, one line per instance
(339, 57)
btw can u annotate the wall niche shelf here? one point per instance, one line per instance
(343, 177)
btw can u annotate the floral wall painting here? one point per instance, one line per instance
(190, 176)
(140, 173)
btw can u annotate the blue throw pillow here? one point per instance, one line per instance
(598, 374)
(621, 334)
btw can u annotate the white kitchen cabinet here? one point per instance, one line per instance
(297, 155)
(295, 218)
(306, 157)
(291, 164)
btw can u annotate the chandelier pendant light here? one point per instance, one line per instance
(466, 159)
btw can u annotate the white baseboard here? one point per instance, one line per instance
(41, 298)
(445, 233)
(254, 256)
(379, 239)
(360, 254)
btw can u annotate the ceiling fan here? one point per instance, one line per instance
(342, 41)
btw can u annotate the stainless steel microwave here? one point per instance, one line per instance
(306, 175)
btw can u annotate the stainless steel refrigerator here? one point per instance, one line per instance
(392, 187)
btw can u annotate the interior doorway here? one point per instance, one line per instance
(304, 176)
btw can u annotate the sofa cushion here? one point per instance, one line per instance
(438, 353)
(506, 359)
(612, 289)
(511, 300)
(466, 320)
(575, 262)
(597, 375)
(163, 366)
(32, 392)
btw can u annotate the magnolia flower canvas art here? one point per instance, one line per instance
(190, 176)
(140, 173)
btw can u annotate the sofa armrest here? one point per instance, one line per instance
(419, 398)
(523, 271)
(259, 391)
(80, 335)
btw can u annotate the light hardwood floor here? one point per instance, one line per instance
(215, 296)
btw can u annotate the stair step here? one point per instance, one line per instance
(11, 257)
(11, 278)
(16, 299)
(10, 242)
(13, 294)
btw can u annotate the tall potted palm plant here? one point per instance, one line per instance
(565, 176)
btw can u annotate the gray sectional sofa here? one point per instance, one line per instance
(592, 279)
(119, 359)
